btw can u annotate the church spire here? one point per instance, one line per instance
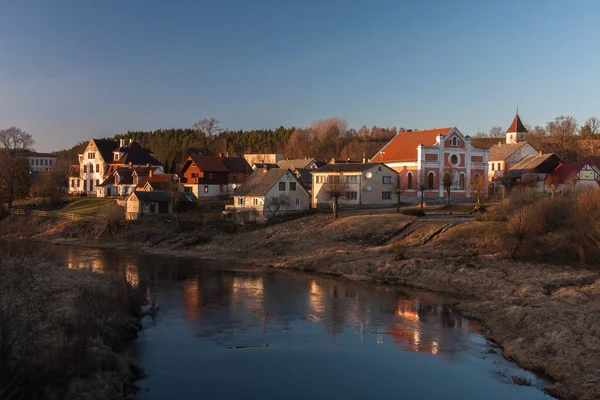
(516, 130)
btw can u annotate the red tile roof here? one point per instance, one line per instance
(516, 126)
(208, 163)
(403, 147)
(565, 172)
(158, 182)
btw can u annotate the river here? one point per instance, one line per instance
(229, 333)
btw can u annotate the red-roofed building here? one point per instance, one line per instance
(211, 176)
(426, 156)
(575, 176)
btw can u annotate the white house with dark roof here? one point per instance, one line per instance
(269, 193)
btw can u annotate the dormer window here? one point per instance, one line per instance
(117, 156)
(135, 179)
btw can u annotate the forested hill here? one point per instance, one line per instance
(324, 140)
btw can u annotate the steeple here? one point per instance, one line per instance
(516, 130)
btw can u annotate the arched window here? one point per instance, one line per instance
(430, 177)
(461, 182)
(409, 183)
(454, 159)
(447, 180)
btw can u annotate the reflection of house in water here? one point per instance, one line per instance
(409, 332)
(247, 293)
(131, 274)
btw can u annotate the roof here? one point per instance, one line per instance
(34, 154)
(262, 165)
(403, 147)
(516, 126)
(155, 195)
(503, 151)
(347, 167)
(208, 163)
(566, 172)
(259, 183)
(533, 162)
(303, 174)
(486, 142)
(74, 171)
(237, 165)
(158, 181)
(135, 154)
(106, 147)
(295, 163)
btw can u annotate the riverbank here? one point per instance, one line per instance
(62, 331)
(544, 316)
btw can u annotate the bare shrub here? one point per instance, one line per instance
(521, 225)
(585, 222)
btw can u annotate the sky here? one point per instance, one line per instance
(73, 70)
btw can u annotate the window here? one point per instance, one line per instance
(409, 183)
(78, 182)
(50, 162)
(498, 167)
(205, 188)
(85, 169)
(209, 176)
(97, 182)
(240, 201)
(352, 179)
(234, 178)
(493, 165)
(188, 189)
(351, 195)
(194, 175)
(221, 188)
(116, 156)
(430, 179)
(282, 186)
(255, 202)
(319, 179)
(72, 182)
(46, 162)
(387, 180)
(297, 202)
(292, 186)
(333, 178)
(124, 189)
(37, 161)
(91, 156)
(97, 167)
(116, 179)
(454, 159)
(461, 182)
(386, 195)
(32, 162)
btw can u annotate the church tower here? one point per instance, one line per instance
(515, 133)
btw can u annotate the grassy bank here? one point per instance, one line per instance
(544, 314)
(62, 330)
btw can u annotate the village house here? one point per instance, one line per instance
(365, 185)
(265, 158)
(269, 193)
(423, 158)
(574, 176)
(211, 177)
(503, 156)
(141, 204)
(161, 182)
(74, 179)
(298, 163)
(40, 162)
(125, 179)
(101, 158)
(532, 170)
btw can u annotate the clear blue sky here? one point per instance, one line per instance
(71, 70)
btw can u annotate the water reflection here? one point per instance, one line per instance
(303, 326)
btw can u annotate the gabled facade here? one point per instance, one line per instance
(210, 177)
(270, 192)
(367, 185)
(574, 176)
(122, 181)
(532, 170)
(424, 157)
(101, 158)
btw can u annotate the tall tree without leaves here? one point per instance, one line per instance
(14, 143)
(335, 189)
(496, 132)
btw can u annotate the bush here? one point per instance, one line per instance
(413, 212)
(491, 218)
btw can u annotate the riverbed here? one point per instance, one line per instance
(225, 332)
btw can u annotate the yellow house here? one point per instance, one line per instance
(364, 185)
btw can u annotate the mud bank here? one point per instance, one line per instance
(545, 317)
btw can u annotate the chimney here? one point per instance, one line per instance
(364, 158)
(540, 153)
(499, 142)
(121, 142)
(148, 165)
(150, 174)
(332, 161)
(265, 168)
(130, 164)
(220, 155)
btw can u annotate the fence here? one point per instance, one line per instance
(19, 212)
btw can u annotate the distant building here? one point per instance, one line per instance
(574, 176)
(298, 163)
(268, 158)
(427, 156)
(533, 170)
(367, 185)
(40, 162)
(124, 180)
(154, 203)
(101, 158)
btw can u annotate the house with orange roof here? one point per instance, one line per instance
(423, 158)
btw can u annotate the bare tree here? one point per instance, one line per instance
(496, 132)
(208, 126)
(421, 187)
(521, 225)
(335, 189)
(479, 186)
(400, 188)
(590, 129)
(563, 131)
(275, 204)
(52, 184)
(174, 189)
(585, 224)
(448, 182)
(14, 143)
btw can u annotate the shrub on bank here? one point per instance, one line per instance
(413, 212)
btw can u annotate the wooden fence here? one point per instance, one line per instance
(19, 212)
